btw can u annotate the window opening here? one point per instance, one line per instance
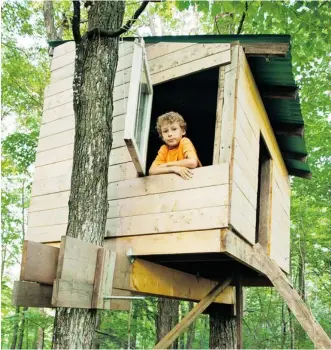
(195, 98)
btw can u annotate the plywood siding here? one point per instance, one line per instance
(165, 204)
(251, 120)
(51, 186)
(169, 61)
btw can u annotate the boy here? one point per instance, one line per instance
(178, 155)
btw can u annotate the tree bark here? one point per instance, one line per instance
(223, 331)
(15, 330)
(95, 68)
(21, 329)
(49, 20)
(167, 318)
(41, 338)
(190, 330)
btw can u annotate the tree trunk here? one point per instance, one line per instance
(15, 330)
(49, 20)
(21, 329)
(95, 69)
(167, 318)
(190, 330)
(223, 331)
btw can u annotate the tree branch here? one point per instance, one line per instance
(242, 19)
(76, 22)
(98, 32)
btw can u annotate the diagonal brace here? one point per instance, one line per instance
(192, 315)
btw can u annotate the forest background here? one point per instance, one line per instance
(25, 74)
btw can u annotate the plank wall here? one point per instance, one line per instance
(158, 206)
(250, 120)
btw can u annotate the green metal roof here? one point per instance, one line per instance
(274, 78)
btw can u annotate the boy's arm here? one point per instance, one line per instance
(190, 163)
(182, 171)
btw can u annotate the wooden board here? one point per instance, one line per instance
(205, 176)
(117, 155)
(229, 111)
(195, 198)
(30, 294)
(72, 294)
(103, 278)
(39, 263)
(68, 57)
(185, 55)
(240, 250)
(185, 220)
(145, 277)
(243, 215)
(53, 192)
(205, 241)
(77, 261)
(191, 67)
(219, 111)
(161, 49)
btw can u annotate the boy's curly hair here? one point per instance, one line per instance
(170, 117)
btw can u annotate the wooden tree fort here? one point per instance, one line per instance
(192, 240)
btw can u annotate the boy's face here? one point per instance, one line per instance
(172, 133)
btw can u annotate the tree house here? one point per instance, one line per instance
(241, 106)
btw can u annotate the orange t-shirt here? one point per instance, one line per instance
(184, 150)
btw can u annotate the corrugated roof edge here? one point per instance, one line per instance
(297, 168)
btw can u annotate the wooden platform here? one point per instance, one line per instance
(212, 254)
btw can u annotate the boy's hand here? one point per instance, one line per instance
(185, 173)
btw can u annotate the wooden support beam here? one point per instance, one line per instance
(219, 109)
(288, 129)
(239, 250)
(266, 49)
(77, 275)
(293, 300)
(192, 315)
(39, 263)
(279, 92)
(145, 277)
(103, 278)
(31, 294)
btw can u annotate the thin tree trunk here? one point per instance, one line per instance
(204, 328)
(15, 330)
(129, 325)
(223, 331)
(96, 338)
(190, 330)
(3, 259)
(283, 326)
(134, 326)
(41, 338)
(95, 69)
(49, 20)
(21, 329)
(291, 327)
(167, 318)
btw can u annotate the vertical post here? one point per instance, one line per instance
(239, 309)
